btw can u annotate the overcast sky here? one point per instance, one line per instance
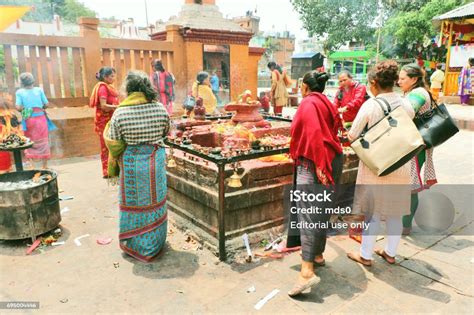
(277, 14)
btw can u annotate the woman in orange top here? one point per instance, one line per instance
(104, 99)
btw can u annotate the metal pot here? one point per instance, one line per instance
(28, 212)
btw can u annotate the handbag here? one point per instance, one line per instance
(389, 143)
(435, 125)
(190, 100)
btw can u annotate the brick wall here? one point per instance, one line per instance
(75, 135)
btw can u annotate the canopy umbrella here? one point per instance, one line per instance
(10, 14)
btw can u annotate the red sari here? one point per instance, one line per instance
(314, 135)
(106, 91)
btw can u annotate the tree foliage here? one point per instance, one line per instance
(338, 21)
(73, 9)
(407, 30)
(411, 32)
(43, 10)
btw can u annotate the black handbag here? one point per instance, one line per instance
(436, 125)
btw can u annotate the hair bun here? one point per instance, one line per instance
(322, 77)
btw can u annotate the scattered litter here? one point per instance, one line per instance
(180, 291)
(76, 240)
(64, 300)
(251, 289)
(49, 240)
(271, 255)
(281, 248)
(263, 301)
(245, 237)
(65, 209)
(64, 198)
(192, 244)
(273, 244)
(472, 260)
(266, 265)
(104, 241)
(58, 243)
(34, 246)
(116, 264)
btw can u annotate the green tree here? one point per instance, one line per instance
(43, 10)
(409, 34)
(338, 21)
(73, 9)
(271, 45)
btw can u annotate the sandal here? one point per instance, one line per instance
(357, 258)
(299, 288)
(385, 256)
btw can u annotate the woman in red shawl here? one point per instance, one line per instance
(105, 99)
(317, 153)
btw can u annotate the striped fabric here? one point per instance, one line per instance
(140, 124)
(421, 179)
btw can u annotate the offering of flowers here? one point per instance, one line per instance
(246, 98)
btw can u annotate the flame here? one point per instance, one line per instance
(7, 129)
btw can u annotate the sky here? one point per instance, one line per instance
(277, 15)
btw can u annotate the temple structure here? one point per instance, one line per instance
(211, 42)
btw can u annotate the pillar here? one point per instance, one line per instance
(239, 72)
(92, 51)
(180, 67)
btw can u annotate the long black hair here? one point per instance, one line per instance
(272, 65)
(103, 73)
(415, 71)
(138, 81)
(158, 65)
(316, 81)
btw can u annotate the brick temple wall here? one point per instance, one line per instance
(75, 136)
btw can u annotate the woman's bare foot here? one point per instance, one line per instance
(357, 258)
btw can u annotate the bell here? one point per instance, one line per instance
(171, 163)
(234, 181)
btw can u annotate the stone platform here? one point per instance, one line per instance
(255, 207)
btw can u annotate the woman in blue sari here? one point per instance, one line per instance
(134, 137)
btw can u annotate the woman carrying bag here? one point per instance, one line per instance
(380, 197)
(412, 82)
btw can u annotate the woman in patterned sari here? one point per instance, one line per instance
(412, 83)
(104, 99)
(134, 137)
